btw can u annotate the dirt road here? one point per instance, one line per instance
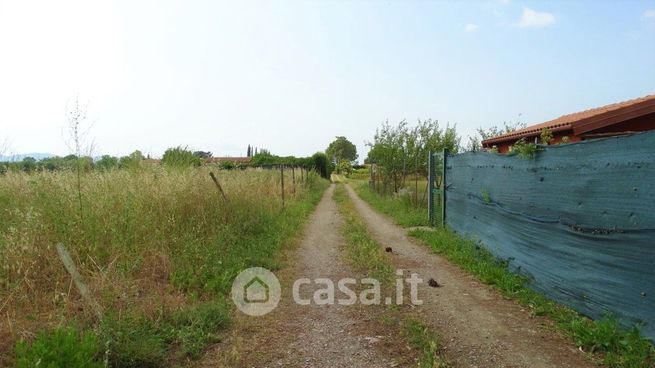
(312, 336)
(477, 326)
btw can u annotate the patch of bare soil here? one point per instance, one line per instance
(313, 336)
(477, 326)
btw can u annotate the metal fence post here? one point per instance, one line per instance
(443, 188)
(431, 188)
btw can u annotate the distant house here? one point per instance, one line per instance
(615, 119)
(236, 160)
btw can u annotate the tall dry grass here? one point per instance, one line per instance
(149, 243)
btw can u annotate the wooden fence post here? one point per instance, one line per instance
(77, 279)
(218, 185)
(293, 179)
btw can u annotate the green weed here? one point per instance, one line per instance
(423, 339)
(62, 347)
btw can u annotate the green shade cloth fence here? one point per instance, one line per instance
(578, 219)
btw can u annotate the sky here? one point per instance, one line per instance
(289, 76)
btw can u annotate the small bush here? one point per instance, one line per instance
(523, 149)
(62, 347)
(180, 157)
(546, 136)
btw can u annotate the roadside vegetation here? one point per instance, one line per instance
(399, 206)
(362, 250)
(367, 254)
(157, 247)
(614, 346)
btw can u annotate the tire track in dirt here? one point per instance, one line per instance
(477, 326)
(311, 336)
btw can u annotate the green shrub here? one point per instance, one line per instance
(107, 162)
(62, 347)
(523, 149)
(546, 136)
(180, 157)
(321, 164)
(133, 161)
(227, 165)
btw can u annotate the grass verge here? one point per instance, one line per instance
(362, 251)
(615, 346)
(399, 207)
(367, 254)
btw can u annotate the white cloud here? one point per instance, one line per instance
(504, 2)
(650, 13)
(535, 19)
(471, 27)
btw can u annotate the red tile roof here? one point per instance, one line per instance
(229, 159)
(584, 121)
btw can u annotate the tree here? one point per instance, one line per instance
(341, 149)
(475, 141)
(28, 164)
(107, 162)
(400, 150)
(132, 161)
(203, 154)
(320, 163)
(344, 167)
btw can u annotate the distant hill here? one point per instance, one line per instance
(18, 157)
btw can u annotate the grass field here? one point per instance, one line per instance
(157, 248)
(614, 346)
